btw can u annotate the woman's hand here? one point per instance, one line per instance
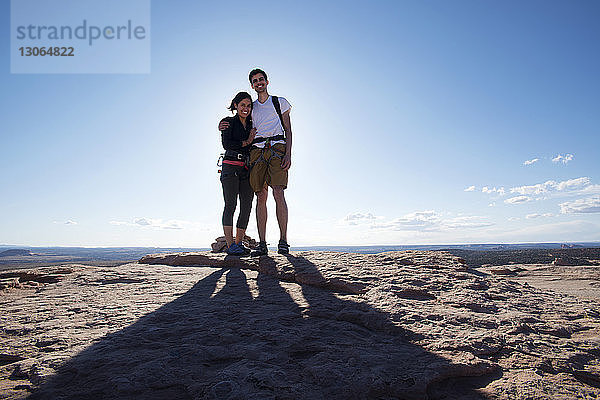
(252, 135)
(223, 125)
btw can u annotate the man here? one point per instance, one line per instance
(270, 158)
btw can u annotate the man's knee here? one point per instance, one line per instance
(262, 196)
(278, 193)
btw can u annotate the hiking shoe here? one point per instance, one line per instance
(261, 250)
(246, 250)
(283, 247)
(235, 250)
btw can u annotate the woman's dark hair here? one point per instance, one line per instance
(239, 97)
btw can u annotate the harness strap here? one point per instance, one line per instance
(277, 107)
(238, 163)
(232, 154)
(262, 158)
(271, 138)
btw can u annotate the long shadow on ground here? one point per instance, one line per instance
(229, 344)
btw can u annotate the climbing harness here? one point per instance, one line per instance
(272, 154)
(232, 157)
(220, 162)
(270, 139)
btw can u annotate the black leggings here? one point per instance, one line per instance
(234, 180)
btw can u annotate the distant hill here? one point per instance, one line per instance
(15, 252)
(473, 247)
(44, 256)
(575, 255)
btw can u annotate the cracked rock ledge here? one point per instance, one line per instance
(312, 325)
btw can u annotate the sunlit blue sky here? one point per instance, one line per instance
(415, 122)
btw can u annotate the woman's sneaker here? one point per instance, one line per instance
(235, 250)
(246, 250)
(261, 250)
(283, 247)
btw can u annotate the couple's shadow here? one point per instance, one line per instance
(243, 335)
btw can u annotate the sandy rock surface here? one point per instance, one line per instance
(578, 280)
(312, 325)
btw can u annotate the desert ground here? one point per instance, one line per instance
(311, 325)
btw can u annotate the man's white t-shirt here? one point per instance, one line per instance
(266, 121)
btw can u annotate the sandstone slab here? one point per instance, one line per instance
(312, 325)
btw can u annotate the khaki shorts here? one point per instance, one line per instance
(267, 171)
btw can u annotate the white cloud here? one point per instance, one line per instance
(492, 204)
(119, 223)
(419, 220)
(581, 206)
(143, 221)
(68, 222)
(470, 189)
(172, 225)
(466, 222)
(591, 189)
(564, 159)
(429, 221)
(532, 189)
(581, 186)
(571, 186)
(518, 200)
(530, 162)
(154, 223)
(330, 232)
(514, 218)
(535, 215)
(493, 190)
(357, 216)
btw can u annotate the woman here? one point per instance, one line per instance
(237, 139)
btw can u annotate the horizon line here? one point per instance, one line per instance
(330, 246)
